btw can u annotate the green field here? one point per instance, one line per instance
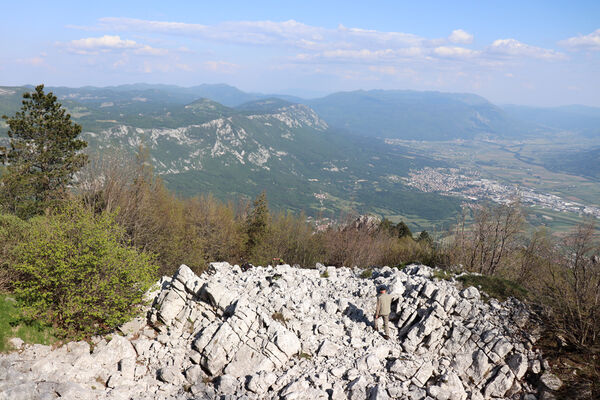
(524, 163)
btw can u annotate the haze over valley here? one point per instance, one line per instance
(403, 155)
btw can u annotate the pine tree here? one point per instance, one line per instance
(403, 230)
(256, 222)
(43, 155)
(425, 237)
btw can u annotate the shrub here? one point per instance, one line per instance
(12, 231)
(290, 238)
(79, 273)
(570, 288)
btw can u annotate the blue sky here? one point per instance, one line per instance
(524, 52)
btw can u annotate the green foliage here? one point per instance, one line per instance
(442, 274)
(191, 231)
(325, 274)
(13, 231)
(495, 286)
(288, 237)
(12, 325)
(424, 237)
(43, 155)
(399, 230)
(79, 273)
(256, 223)
(367, 273)
(403, 230)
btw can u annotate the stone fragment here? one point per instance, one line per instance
(449, 387)
(23, 391)
(170, 375)
(287, 342)
(71, 390)
(261, 382)
(471, 293)
(358, 388)
(127, 368)
(16, 343)
(193, 374)
(424, 373)
(133, 326)
(328, 349)
(170, 306)
(500, 384)
(378, 392)
(227, 384)
(518, 364)
(247, 361)
(550, 381)
(330, 307)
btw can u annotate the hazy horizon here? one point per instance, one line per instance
(534, 53)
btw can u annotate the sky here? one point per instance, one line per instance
(542, 53)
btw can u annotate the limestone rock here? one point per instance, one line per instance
(16, 343)
(550, 381)
(284, 332)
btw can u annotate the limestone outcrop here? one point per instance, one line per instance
(291, 333)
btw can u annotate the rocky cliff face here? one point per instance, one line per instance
(293, 333)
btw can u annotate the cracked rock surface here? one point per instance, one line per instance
(291, 333)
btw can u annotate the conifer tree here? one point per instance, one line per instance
(403, 230)
(256, 222)
(44, 155)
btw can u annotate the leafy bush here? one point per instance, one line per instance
(79, 273)
(12, 231)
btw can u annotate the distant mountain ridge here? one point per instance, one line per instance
(397, 114)
(268, 144)
(412, 115)
(321, 156)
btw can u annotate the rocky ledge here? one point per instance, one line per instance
(291, 333)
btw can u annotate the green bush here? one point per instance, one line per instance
(12, 231)
(79, 273)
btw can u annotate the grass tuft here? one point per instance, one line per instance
(442, 274)
(277, 316)
(367, 273)
(496, 287)
(12, 324)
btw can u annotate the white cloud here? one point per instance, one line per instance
(514, 48)
(454, 52)
(150, 51)
(288, 33)
(302, 43)
(460, 36)
(583, 42)
(108, 43)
